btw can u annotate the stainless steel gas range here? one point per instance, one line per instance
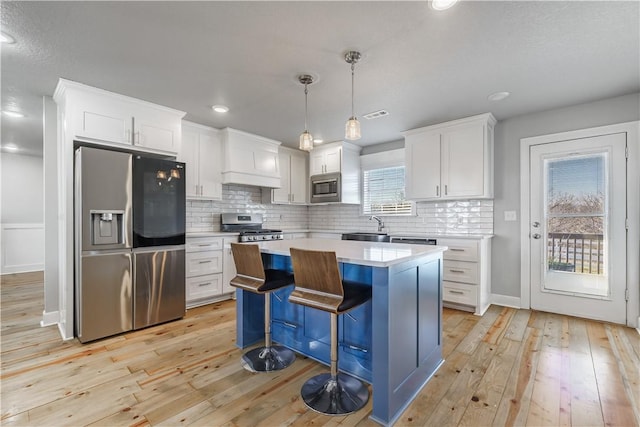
(249, 226)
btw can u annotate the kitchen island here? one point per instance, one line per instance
(393, 342)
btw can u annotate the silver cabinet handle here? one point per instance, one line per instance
(437, 190)
(204, 284)
(293, 197)
(202, 190)
(456, 271)
(456, 250)
(456, 292)
(356, 348)
(445, 190)
(127, 135)
(205, 262)
(290, 325)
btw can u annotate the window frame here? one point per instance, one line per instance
(383, 160)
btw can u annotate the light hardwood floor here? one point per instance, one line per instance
(509, 367)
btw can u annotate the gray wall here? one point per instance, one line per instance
(505, 269)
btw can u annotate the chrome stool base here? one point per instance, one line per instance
(267, 359)
(331, 397)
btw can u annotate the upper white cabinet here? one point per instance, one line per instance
(326, 159)
(452, 160)
(249, 159)
(201, 150)
(293, 178)
(100, 116)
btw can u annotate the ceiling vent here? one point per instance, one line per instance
(376, 114)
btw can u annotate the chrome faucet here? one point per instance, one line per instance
(380, 223)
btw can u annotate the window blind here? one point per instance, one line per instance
(383, 192)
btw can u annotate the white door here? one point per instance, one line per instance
(577, 229)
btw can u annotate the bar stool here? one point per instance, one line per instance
(252, 277)
(318, 285)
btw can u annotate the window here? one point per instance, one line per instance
(383, 192)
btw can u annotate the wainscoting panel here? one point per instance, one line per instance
(22, 248)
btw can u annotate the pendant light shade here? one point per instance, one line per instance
(306, 139)
(352, 128)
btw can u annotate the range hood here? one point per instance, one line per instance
(249, 159)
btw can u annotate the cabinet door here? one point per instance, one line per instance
(333, 160)
(463, 161)
(103, 119)
(316, 162)
(204, 286)
(299, 182)
(229, 266)
(210, 170)
(282, 194)
(422, 166)
(189, 154)
(156, 134)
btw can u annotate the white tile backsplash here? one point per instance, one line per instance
(447, 217)
(204, 215)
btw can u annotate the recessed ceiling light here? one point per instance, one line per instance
(318, 141)
(11, 147)
(442, 4)
(498, 96)
(14, 114)
(6, 38)
(220, 108)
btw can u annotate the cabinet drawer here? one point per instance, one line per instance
(201, 263)
(460, 250)
(461, 271)
(460, 293)
(204, 286)
(204, 244)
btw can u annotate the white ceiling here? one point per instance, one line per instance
(422, 66)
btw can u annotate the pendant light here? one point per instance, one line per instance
(306, 140)
(352, 128)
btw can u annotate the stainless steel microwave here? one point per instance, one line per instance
(326, 188)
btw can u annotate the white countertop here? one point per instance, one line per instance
(353, 252)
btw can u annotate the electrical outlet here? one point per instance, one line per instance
(510, 216)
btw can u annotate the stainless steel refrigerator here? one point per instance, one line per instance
(129, 240)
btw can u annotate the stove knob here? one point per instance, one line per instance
(265, 237)
(251, 238)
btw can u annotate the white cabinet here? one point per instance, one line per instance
(229, 270)
(343, 158)
(204, 263)
(294, 236)
(452, 160)
(249, 159)
(325, 159)
(466, 274)
(96, 115)
(201, 150)
(293, 178)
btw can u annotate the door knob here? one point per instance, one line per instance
(536, 236)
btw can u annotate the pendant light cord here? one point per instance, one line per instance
(352, 89)
(305, 107)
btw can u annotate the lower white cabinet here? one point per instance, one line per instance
(229, 270)
(204, 270)
(466, 273)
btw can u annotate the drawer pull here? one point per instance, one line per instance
(204, 284)
(456, 292)
(204, 245)
(456, 250)
(205, 262)
(356, 348)
(456, 271)
(290, 325)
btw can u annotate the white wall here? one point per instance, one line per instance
(505, 268)
(22, 213)
(22, 189)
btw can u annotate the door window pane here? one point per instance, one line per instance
(576, 222)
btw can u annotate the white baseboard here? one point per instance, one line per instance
(505, 300)
(50, 318)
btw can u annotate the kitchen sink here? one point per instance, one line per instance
(367, 237)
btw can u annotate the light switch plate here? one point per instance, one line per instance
(510, 216)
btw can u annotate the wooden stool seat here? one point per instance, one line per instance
(251, 276)
(318, 285)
